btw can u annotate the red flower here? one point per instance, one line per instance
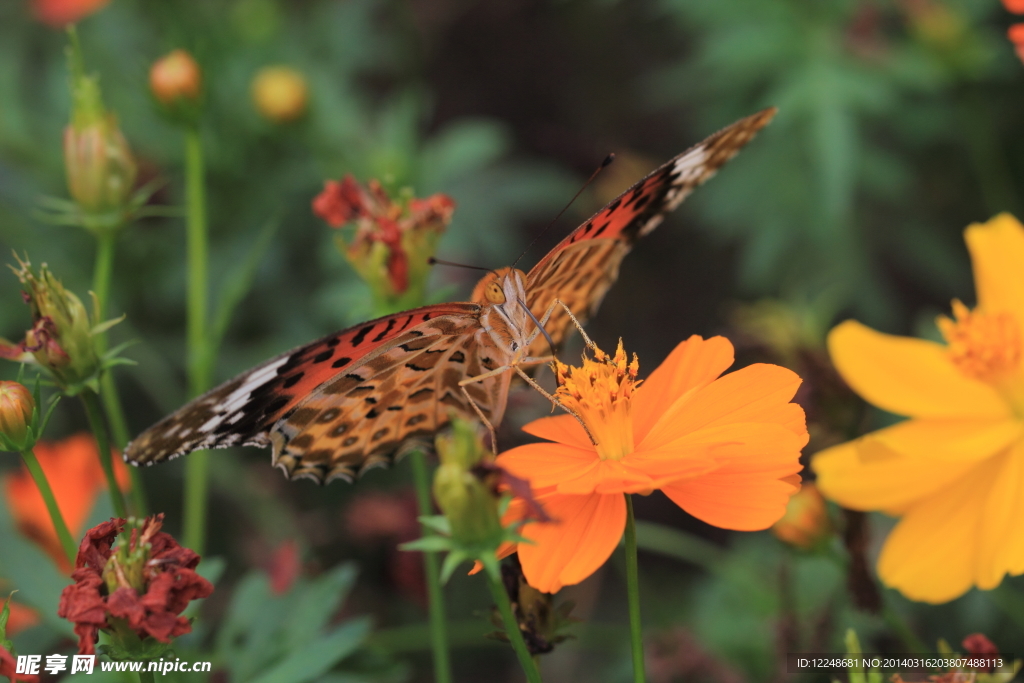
(389, 234)
(1015, 6)
(8, 666)
(979, 644)
(59, 13)
(285, 567)
(147, 583)
(1016, 35)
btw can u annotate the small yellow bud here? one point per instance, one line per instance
(16, 409)
(176, 78)
(280, 94)
(100, 167)
(469, 503)
(806, 521)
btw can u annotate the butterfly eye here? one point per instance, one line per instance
(494, 293)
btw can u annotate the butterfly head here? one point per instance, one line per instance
(508, 321)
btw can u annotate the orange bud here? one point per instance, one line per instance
(16, 408)
(59, 13)
(100, 167)
(1015, 6)
(280, 93)
(175, 77)
(806, 520)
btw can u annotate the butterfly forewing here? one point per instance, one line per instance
(581, 268)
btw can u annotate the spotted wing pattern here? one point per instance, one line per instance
(345, 402)
(581, 268)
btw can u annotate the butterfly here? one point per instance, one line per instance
(367, 395)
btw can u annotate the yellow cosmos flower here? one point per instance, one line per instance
(954, 472)
(725, 449)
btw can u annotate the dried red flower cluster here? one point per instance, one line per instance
(380, 219)
(150, 601)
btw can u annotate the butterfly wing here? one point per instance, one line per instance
(344, 402)
(581, 268)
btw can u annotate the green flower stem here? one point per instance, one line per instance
(515, 636)
(435, 596)
(66, 541)
(99, 431)
(146, 677)
(199, 366)
(633, 591)
(101, 276)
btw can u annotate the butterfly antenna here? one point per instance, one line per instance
(441, 262)
(604, 164)
(540, 327)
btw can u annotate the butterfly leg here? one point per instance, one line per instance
(586, 339)
(556, 402)
(483, 418)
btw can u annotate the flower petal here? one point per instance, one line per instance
(1000, 543)
(562, 429)
(932, 554)
(750, 488)
(693, 364)
(969, 439)
(610, 476)
(867, 475)
(997, 255)
(756, 393)
(564, 553)
(908, 376)
(548, 464)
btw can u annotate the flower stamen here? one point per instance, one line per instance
(600, 394)
(982, 345)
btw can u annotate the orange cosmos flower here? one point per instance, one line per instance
(725, 449)
(73, 469)
(954, 472)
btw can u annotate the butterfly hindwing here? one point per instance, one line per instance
(376, 410)
(581, 268)
(242, 410)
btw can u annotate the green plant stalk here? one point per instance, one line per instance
(636, 637)
(146, 677)
(515, 636)
(101, 276)
(66, 541)
(431, 570)
(99, 431)
(199, 369)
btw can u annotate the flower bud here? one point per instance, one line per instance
(100, 167)
(61, 338)
(176, 79)
(470, 505)
(280, 94)
(806, 521)
(16, 412)
(60, 13)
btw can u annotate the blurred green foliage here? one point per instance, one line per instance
(899, 124)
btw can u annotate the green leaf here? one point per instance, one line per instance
(316, 603)
(5, 614)
(428, 544)
(238, 282)
(319, 656)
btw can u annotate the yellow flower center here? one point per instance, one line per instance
(600, 395)
(983, 346)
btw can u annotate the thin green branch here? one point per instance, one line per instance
(636, 637)
(66, 540)
(199, 360)
(515, 636)
(435, 596)
(99, 431)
